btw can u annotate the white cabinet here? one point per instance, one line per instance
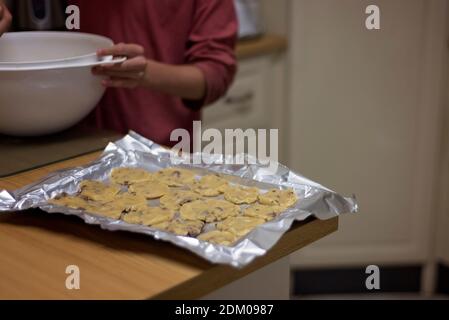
(245, 104)
(255, 100)
(443, 199)
(365, 118)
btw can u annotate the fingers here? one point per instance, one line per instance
(128, 74)
(135, 64)
(115, 82)
(125, 75)
(122, 49)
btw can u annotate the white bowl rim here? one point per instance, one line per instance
(7, 64)
(66, 33)
(112, 60)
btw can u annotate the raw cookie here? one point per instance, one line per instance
(241, 195)
(224, 238)
(175, 177)
(283, 198)
(209, 210)
(150, 216)
(176, 198)
(262, 211)
(109, 210)
(239, 225)
(130, 202)
(149, 189)
(190, 228)
(128, 176)
(98, 191)
(72, 202)
(210, 185)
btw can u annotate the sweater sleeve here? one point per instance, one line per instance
(211, 47)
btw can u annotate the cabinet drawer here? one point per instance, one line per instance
(244, 106)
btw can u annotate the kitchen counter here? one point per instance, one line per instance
(36, 248)
(23, 154)
(265, 44)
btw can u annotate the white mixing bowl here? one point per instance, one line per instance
(41, 90)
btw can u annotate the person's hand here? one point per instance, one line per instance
(128, 74)
(5, 18)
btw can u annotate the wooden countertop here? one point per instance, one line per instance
(265, 44)
(36, 248)
(24, 154)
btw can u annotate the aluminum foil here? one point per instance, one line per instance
(135, 151)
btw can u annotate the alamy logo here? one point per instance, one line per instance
(372, 22)
(234, 146)
(73, 20)
(72, 282)
(372, 282)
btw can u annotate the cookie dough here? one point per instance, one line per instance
(98, 191)
(190, 228)
(283, 198)
(241, 195)
(109, 210)
(209, 210)
(149, 189)
(130, 202)
(210, 185)
(149, 216)
(224, 238)
(239, 226)
(106, 209)
(263, 211)
(175, 177)
(176, 198)
(72, 202)
(129, 176)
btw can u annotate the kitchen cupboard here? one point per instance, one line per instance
(442, 248)
(365, 117)
(244, 106)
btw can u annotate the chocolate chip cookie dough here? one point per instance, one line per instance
(241, 195)
(179, 227)
(149, 189)
(262, 211)
(176, 198)
(224, 238)
(129, 202)
(175, 177)
(106, 209)
(149, 216)
(240, 225)
(210, 185)
(109, 210)
(73, 202)
(283, 198)
(98, 191)
(128, 176)
(209, 210)
(173, 200)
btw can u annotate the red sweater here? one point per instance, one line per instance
(199, 32)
